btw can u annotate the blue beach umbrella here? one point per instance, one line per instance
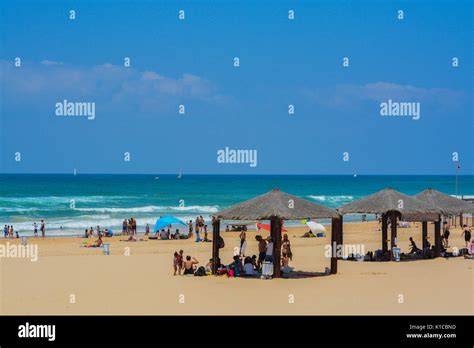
(167, 220)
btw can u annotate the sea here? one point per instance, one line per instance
(71, 203)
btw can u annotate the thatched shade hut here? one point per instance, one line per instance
(275, 206)
(447, 204)
(394, 205)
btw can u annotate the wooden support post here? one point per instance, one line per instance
(437, 237)
(460, 220)
(216, 227)
(275, 230)
(393, 229)
(424, 234)
(384, 233)
(336, 235)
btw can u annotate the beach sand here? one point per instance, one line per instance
(143, 282)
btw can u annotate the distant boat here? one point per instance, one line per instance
(75, 172)
(355, 175)
(157, 177)
(179, 175)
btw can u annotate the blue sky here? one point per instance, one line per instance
(282, 62)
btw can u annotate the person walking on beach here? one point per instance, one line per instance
(35, 229)
(10, 233)
(43, 229)
(5, 231)
(467, 235)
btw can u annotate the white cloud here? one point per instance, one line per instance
(114, 86)
(347, 95)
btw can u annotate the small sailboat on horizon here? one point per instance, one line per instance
(179, 175)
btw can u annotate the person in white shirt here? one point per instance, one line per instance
(269, 251)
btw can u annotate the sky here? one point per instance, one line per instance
(336, 128)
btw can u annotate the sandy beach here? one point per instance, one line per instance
(68, 279)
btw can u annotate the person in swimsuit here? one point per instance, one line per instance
(35, 229)
(445, 234)
(188, 265)
(286, 247)
(176, 263)
(467, 235)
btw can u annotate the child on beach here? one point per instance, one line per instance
(177, 263)
(35, 229)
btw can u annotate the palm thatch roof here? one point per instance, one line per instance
(388, 200)
(447, 204)
(276, 204)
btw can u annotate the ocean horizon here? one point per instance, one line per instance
(71, 203)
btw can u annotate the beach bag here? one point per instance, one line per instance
(201, 271)
(267, 268)
(220, 242)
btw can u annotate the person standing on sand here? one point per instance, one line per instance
(198, 229)
(467, 235)
(176, 263)
(262, 247)
(5, 231)
(43, 229)
(445, 234)
(35, 229)
(243, 244)
(286, 247)
(147, 230)
(269, 250)
(124, 227)
(11, 232)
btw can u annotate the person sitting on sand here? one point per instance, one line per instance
(414, 248)
(249, 267)
(163, 234)
(236, 266)
(209, 266)
(97, 244)
(188, 265)
(285, 260)
(176, 234)
(309, 234)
